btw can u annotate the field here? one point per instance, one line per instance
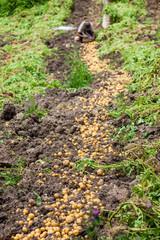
(79, 123)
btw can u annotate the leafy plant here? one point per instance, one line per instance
(7, 7)
(79, 76)
(41, 160)
(47, 170)
(33, 108)
(13, 175)
(140, 216)
(93, 222)
(84, 163)
(127, 166)
(39, 200)
(122, 10)
(125, 133)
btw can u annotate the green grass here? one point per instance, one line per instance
(38, 200)
(141, 58)
(24, 72)
(7, 7)
(142, 212)
(36, 109)
(127, 166)
(123, 12)
(79, 76)
(12, 175)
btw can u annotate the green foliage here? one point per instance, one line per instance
(13, 175)
(149, 186)
(144, 149)
(145, 109)
(24, 72)
(38, 200)
(117, 1)
(127, 166)
(139, 217)
(47, 170)
(148, 113)
(143, 62)
(139, 3)
(141, 58)
(84, 163)
(33, 108)
(41, 160)
(79, 75)
(56, 84)
(125, 133)
(94, 221)
(7, 7)
(122, 11)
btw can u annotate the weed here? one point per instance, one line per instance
(56, 84)
(13, 175)
(9, 178)
(7, 134)
(20, 138)
(122, 11)
(38, 200)
(125, 133)
(33, 108)
(41, 161)
(47, 170)
(93, 222)
(145, 151)
(79, 75)
(148, 113)
(84, 163)
(127, 166)
(139, 216)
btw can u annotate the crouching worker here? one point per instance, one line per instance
(85, 32)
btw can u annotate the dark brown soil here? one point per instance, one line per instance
(35, 148)
(32, 140)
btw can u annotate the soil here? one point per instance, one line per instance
(42, 148)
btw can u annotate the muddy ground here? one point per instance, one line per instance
(42, 149)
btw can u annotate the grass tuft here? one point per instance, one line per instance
(79, 76)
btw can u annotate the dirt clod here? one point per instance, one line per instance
(8, 111)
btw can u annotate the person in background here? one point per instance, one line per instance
(85, 32)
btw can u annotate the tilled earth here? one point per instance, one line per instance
(74, 128)
(52, 199)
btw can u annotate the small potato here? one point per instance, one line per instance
(69, 219)
(32, 202)
(99, 172)
(66, 162)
